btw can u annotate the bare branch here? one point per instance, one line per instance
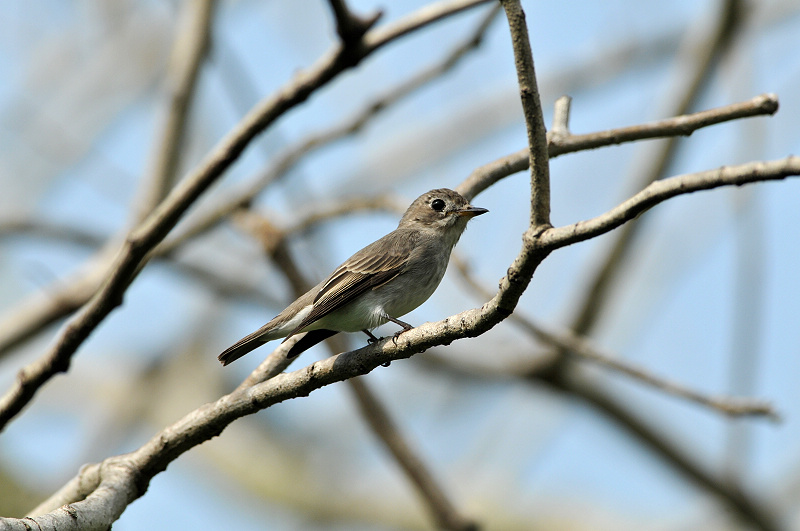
(423, 17)
(384, 427)
(345, 207)
(664, 189)
(534, 121)
(728, 405)
(351, 28)
(142, 239)
(43, 229)
(488, 174)
(685, 125)
(189, 51)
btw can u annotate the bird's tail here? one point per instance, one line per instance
(241, 347)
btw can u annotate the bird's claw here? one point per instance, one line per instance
(398, 334)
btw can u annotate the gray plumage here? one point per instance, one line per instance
(382, 282)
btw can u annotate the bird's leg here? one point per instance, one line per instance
(406, 327)
(372, 339)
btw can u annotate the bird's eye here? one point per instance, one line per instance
(437, 205)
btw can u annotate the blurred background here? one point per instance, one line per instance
(703, 292)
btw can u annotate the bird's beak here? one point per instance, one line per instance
(471, 211)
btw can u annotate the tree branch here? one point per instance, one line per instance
(190, 49)
(560, 144)
(351, 28)
(664, 189)
(142, 239)
(532, 110)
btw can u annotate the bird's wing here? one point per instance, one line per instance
(369, 268)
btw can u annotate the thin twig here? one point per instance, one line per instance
(483, 177)
(345, 207)
(664, 189)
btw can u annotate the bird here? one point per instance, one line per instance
(380, 283)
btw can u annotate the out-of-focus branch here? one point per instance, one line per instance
(344, 208)
(662, 444)
(189, 50)
(42, 229)
(349, 127)
(382, 425)
(142, 240)
(700, 57)
(583, 349)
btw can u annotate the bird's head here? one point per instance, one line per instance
(441, 209)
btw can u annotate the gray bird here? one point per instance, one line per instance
(383, 281)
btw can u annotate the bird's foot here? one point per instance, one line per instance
(399, 333)
(371, 339)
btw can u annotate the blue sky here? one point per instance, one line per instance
(79, 114)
